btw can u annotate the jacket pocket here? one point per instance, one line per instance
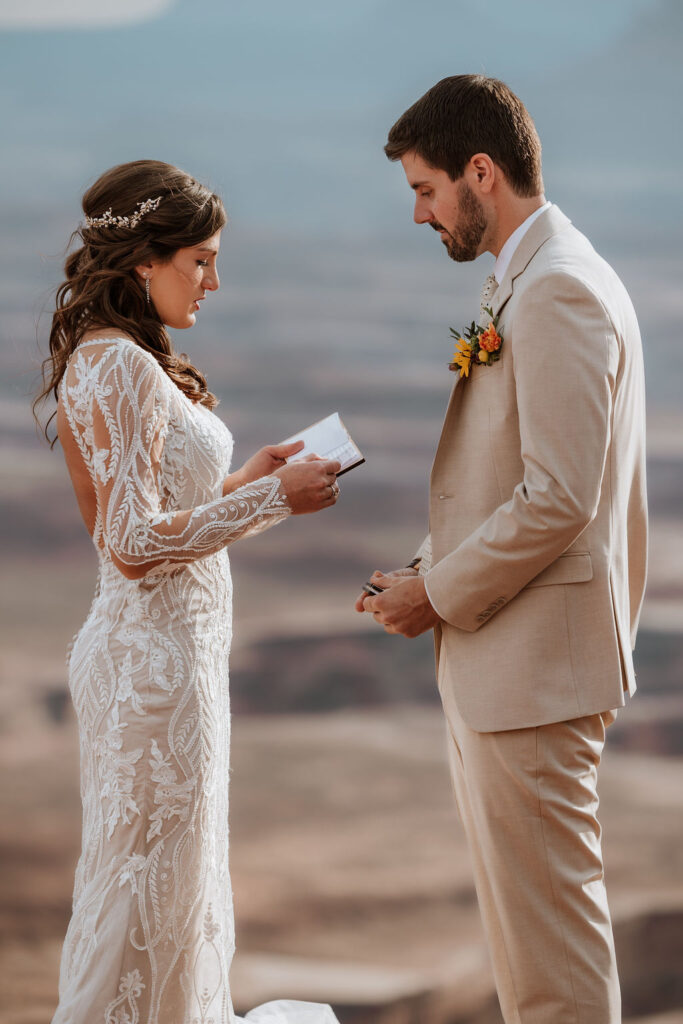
(576, 567)
(480, 373)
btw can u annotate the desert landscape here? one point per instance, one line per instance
(349, 865)
(350, 869)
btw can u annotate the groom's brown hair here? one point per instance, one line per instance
(468, 114)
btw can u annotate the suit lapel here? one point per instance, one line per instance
(549, 223)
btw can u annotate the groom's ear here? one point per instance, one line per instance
(481, 173)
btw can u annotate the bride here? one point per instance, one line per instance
(151, 937)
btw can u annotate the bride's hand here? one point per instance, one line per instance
(263, 463)
(310, 484)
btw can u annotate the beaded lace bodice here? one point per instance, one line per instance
(151, 937)
(157, 462)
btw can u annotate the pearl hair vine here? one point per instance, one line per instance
(108, 220)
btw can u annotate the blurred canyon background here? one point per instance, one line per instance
(349, 865)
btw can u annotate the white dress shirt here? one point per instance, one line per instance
(508, 250)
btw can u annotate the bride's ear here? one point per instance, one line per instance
(144, 270)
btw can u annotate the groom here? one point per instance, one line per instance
(533, 571)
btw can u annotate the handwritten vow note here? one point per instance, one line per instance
(329, 439)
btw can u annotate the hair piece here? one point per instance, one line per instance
(148, 206)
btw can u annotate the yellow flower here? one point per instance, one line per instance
(462, 357)
(482, 346)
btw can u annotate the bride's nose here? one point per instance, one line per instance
(211, 280)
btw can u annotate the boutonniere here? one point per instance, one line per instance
(476, 345)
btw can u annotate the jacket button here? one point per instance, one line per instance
(442, 496)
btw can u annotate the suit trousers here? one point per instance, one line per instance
(528, 803)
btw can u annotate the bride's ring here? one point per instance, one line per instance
(335, 490)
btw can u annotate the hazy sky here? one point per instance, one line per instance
(285, 106)
(44, 14)
(581, 24)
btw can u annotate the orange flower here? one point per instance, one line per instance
(477, 346)
(489, 339)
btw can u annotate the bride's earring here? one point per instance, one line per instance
(147, 288)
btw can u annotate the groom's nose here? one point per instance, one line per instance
(422, 214)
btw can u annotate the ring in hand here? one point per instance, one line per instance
(335, 490)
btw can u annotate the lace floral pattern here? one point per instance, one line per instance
(151, 936)
(155, 459)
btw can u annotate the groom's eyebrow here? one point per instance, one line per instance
(418, 184)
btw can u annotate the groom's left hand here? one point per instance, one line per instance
(403, 607)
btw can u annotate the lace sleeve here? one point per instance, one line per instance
(117, 403)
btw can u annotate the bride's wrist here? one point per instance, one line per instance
(282, 492)
(232, 482)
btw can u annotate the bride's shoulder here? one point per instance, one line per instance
(108, 347)
(109, 357)
(108, 340)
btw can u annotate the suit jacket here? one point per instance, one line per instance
(538, 515)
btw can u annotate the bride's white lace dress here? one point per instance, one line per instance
(151, 938)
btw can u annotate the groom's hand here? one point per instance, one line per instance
(403, 607)
(407, 571)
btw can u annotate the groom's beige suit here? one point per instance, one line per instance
(538, 537)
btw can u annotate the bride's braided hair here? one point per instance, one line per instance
(101, 287)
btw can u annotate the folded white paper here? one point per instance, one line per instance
(329, 439)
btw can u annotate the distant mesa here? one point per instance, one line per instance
(56, 701)
(648, 950)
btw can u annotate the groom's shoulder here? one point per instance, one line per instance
(568, 252)
(567, 261)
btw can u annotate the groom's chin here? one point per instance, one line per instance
(458, 256)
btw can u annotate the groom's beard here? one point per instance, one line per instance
(463, 245)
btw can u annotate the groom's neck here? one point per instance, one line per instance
(510, 210)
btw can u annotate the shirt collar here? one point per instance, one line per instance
(507, 252)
